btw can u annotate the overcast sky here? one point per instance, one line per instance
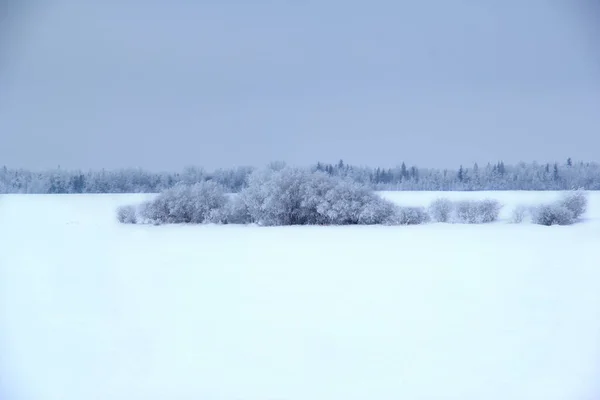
(217, 83)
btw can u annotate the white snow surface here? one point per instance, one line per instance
(93, 309)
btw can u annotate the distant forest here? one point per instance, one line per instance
(496, 176)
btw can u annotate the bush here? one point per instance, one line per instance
(127, 214)
(441, 210)
(576, 202)
(350, 203)
(519, 214)
(291, 196)
(273, 196)
(553, 214)
(409, 216)
(565, 211)
(477, 212)
(185, 204)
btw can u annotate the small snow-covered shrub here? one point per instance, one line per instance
(466, 212)
(441, 210)
(565, 211)
(476, 211)
(552, 214)
(409, 216)
(519, 214)
(576, 202)
(127, 214)
(489, 209)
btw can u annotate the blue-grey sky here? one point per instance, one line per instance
(161, 85)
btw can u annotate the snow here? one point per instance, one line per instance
(92, 309)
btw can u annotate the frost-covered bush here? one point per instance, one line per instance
(519, 214)
(466, 212)
(349, 203)
(552, 214)
(127, 214)
(273, 196)
(441, 210)
(292, 196)
(576, 202)
(476, 211)
(185, 204)
(565, 211)
(409, 216)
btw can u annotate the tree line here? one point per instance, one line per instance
(492, 176)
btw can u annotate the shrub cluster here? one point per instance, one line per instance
(565, 211)
(198, 203)
(552, 214)
(281, 195)
(477, 212)
(273, 197)
(465, 211)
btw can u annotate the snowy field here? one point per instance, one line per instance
(91, 309)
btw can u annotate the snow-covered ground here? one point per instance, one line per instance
(91, 309)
